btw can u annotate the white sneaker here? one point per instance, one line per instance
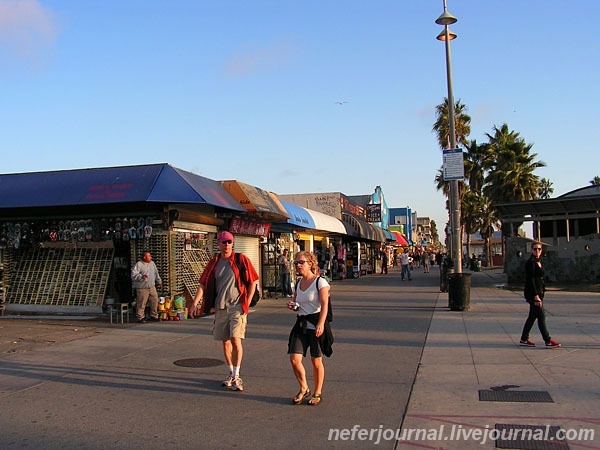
(237, 384)
(228, 382)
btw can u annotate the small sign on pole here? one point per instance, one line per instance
(454, 167)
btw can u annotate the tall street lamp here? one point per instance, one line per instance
(456, 245)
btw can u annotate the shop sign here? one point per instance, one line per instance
(249, 228)
(374, 212)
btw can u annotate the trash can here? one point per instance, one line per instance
(445, 270)
(459, 291)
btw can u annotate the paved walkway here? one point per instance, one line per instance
(116, 387)
(468, 352)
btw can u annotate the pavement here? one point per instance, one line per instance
(455, 385)
(469, 352)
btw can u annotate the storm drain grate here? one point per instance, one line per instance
(531, 437)
(198, 362)
(515, 396)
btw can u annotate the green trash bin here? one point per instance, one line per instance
(459, 291)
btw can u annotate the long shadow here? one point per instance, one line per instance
(131, 380)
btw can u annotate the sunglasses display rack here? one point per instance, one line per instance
(194, 262)
(68, 276)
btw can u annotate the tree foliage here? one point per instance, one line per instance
(501, 170)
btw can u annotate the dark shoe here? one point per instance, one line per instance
(155, 319)
(142, 321)
(526, 343)
(300, 396)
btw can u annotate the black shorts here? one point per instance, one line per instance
(301, 341)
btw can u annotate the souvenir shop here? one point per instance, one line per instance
(69, 245)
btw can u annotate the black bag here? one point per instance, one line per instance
(256, 297)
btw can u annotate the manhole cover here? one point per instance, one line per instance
(198, 362)
(531, 437)
(515, 396)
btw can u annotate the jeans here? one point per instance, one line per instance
(535, 312)
(286, 286)
(406, 269)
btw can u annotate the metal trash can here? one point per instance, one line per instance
(459, 291)
(445, 271)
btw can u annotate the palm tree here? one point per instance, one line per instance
(595, 181)
(487, 220)
(462, 124)
(441, 184)
(435, 237)
(510, 176)
(475, 162)
(545, 189)
(469, 211)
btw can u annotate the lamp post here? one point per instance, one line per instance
(456, 239)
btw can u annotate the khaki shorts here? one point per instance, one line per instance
(229, 324)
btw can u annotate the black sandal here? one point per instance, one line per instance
(315, 400)
(300, 396)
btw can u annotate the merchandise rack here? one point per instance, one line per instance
(61, 276)
(194, 262)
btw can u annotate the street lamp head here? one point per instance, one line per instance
(446, 19)
(442, 36)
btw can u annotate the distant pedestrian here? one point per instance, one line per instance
(284, 270)
(146, 279)
(534, 295)
(425, 258)
(384, 263)
(405, 261)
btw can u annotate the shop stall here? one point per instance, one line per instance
(68, 239)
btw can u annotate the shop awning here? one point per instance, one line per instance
(327, 223)
(110, 185)
(365, 229)
(389, 236)
(256, 200)
(298, 216)
(307, 218)
(400, 238)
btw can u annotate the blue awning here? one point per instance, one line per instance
(158, 183)
(298, 216)
(389, 236)
(315, 220)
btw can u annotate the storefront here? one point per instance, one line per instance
(307, 230)
(253, 233)
(68, 239)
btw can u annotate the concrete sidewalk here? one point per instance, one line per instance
(402, 361)
(468, 352)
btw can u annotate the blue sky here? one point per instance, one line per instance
(247, 90)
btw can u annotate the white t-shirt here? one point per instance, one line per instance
(309, 299)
